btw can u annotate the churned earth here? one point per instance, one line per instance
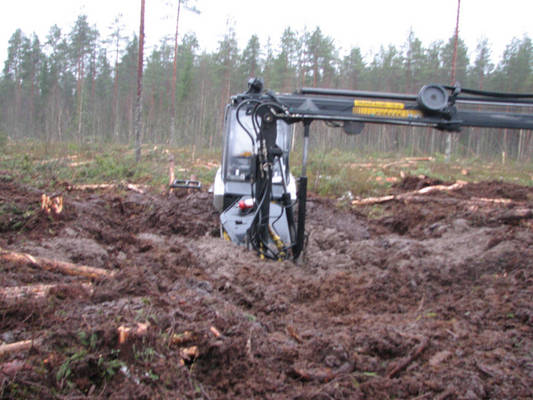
(424, 296)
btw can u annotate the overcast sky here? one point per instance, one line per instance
(363, 23)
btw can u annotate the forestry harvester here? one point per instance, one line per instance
(263, 206)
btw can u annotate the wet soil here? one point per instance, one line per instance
(428, 297)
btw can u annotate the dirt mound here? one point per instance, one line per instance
(497, 189)
(190, 215)
(430, 299)
(412, 182)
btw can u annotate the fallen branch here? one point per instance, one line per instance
(518, 214)
(408, 160)
(321, 375)
(55, 265)
(79, 163)
(494, 201)
(373, 200)
(361, 165)
(16, 293)
(438, 188)
(137, 188)
(405, 196)
(292, 333)
(55, 160)
(447, 201)
(403, 363)
(130, 186)
(17, 347)
(91, 187)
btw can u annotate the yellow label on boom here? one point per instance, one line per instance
(384, 109)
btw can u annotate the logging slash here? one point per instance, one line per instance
(55, 265)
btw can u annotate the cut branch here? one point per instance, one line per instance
(17, 293)
(17, 347)
(130, 186)
(321, 375)
(516, 215)
(408, 160)
(403, 363)
(373, 200)
(440, 188)
(292, 332)
(136, 188)
(427, 190)
(55, 265)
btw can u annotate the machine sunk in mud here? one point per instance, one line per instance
(263, 206)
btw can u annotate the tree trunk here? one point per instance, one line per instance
(138, 103)
(174, 78)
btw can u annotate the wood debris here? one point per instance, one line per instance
(125, 334)
(407, 195)
(102, 186)
(17, 347)
(404, 362)
(408, 161)
(215, 331)
(292, 333)
(322, 374)
(37, 291)
(182, 338)
(55, 265)
(189, 353)
(373, 200)
(52, 204)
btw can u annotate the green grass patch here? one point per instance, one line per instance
(334, 173)
(46, 167)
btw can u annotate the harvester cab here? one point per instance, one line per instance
(235, 188)
(262, 206)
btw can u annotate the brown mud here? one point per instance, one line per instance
(422, 298)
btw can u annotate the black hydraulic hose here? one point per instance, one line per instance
(492, 94)
(241, 124)
(358, 93)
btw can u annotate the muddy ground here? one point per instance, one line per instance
(427, 297)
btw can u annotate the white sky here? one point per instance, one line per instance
(363, 23)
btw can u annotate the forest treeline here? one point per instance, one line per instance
(81, 86)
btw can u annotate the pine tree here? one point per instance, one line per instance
(352, 70)
(462, 61)
(250, 58)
